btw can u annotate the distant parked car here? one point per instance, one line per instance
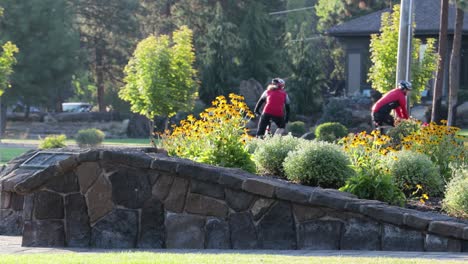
(76, 107)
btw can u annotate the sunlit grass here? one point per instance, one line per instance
(192, 258)
(6, 154)
(144, 142)
(464, 133)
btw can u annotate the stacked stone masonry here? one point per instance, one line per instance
(134, 199)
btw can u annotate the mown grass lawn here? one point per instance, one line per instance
(464, 133)
(6, 154)
(192, 258)
(120, 141)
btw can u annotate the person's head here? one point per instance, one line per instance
(278, 82)
(272, 87)
(404, 86)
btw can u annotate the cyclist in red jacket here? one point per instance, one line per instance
(395, 99)
(276, 108)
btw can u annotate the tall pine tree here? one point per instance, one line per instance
(44, 32)
(109, 31)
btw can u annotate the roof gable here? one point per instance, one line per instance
(426, 15)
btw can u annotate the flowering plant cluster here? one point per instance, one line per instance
(440, 143)
(218, 137)
(372, 180)
(362, 146)
(418, 157)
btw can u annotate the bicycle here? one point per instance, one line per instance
(278, 131)
(383, 129)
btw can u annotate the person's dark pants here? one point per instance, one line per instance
(379, 119)
(265, 120)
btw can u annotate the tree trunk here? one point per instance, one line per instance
(439, 81)
(152, 131)
(454, 80)
(99, 77)
(2, 118)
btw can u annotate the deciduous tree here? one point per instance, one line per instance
(7, 60)
(160, 78)
(384, 48)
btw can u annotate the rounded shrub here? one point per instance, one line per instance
(318, 163)
(330, 131)
(252, 143)
(296, 128)
(456, 194)
(271, 152)
(412, 169)
(53, 141)
(91, 137)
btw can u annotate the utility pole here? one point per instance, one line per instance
(403, 71)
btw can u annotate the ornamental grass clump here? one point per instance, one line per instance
(53, 141)
(218, 137)
(318, 163)
(414, 173)
(271, 152)
(456, 195)
(441, 144)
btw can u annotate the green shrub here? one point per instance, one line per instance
(330, 131)
(53, 141)
(296, 128)
(91, 137)
(373, 182)
(318, 163)
(374, 187)
(413, 171)
(456, 195)
(252, 143)
(271, 152)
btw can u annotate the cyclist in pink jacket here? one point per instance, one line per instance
(395, 99)
(276, 108)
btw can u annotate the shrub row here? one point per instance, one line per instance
(84, 138)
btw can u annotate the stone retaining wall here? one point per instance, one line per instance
(115, 199)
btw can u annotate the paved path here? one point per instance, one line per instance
(12, 245)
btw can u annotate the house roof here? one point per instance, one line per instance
(426, 15)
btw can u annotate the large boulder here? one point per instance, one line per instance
(462, 115)
(251, 90)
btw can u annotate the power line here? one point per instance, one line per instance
(291, 10)
(317, 36)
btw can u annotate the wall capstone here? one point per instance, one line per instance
(135, 198)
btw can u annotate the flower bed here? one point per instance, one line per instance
(413, 162)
